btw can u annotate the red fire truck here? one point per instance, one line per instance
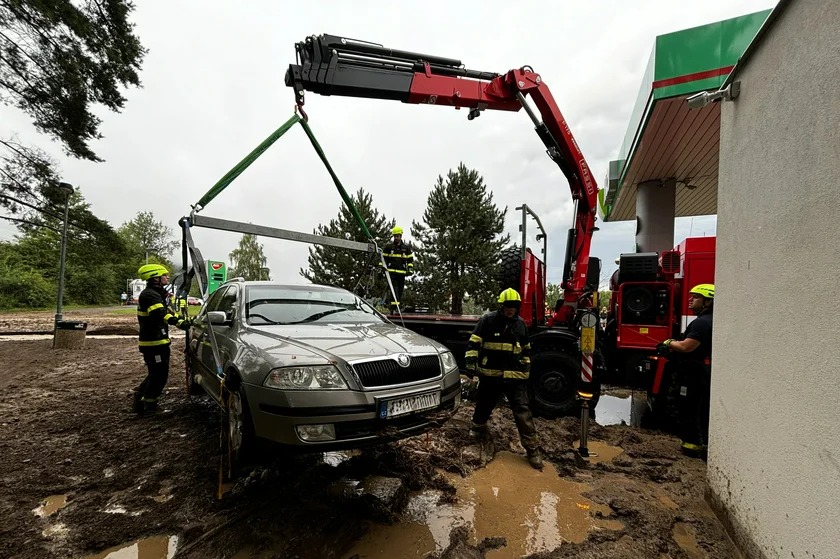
(649, 303)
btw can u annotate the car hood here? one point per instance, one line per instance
(349, 342)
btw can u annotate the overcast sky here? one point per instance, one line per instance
(213, 90)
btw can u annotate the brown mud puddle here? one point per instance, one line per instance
(600, 452)
(158, 547)
(534, 511)
(50, 505)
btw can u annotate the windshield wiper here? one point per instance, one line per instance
(320, 315)
(268, 321)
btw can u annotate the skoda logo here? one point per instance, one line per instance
(403, 360)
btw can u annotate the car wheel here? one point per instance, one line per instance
(193, 388)
(240, 431)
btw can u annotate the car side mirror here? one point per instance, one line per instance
(217, 317)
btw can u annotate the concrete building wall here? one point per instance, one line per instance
(774, 456)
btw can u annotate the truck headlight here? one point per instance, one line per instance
(447, 361)
(305, 378)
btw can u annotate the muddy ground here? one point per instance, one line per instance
(67, 430)
(101, 321)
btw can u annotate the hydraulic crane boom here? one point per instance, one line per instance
(332, 65)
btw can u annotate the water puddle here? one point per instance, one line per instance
(50, 505)
(684, 537)
(599, 452)
(338, 457)
(536, 511)
(158, 547)
(613, 410)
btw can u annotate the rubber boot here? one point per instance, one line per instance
(478, 434)
(535, 459)
(137, 403)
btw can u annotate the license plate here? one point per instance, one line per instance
(409, 404)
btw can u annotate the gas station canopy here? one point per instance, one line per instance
(665, 140)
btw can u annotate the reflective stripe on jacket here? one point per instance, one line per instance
(499, 347)
(399, 258)
(154, 318)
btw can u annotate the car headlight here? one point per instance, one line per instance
(305, 378)
(447, 361)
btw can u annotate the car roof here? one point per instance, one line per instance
(289, 286)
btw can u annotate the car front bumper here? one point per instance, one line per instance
(355, 415)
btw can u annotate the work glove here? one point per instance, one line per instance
(664, 348)
(184, 324)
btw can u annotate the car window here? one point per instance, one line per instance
(214, 300)
(268, 304)
(228, 301)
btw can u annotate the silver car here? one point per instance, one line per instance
(315, 366)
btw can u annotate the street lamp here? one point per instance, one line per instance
(68, 190)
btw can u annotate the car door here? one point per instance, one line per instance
(223, 334)
(200, 345)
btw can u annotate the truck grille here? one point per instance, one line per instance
(386, 372)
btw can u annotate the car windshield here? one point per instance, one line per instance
(267, 304)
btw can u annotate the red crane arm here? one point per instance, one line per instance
(332, 65)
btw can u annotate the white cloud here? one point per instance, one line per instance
(213, 89)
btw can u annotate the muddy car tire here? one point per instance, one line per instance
(239, 429)
(553, 384)
(193, 388)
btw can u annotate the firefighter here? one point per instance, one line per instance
(499, 351)
(399, 259)
(154, 317)
(692, 360)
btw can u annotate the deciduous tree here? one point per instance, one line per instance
(248, 260)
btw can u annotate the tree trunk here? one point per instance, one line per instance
(457, 304)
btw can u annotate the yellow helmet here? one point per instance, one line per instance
(149, 271)
(397, 231)
(706, 290)
(510, 298)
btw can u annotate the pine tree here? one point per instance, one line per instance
(459, 239)
(248, 260)
(345, 268)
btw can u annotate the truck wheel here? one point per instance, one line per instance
(510, 266)
(553, 383)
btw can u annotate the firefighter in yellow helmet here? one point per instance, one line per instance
(154, 317)
(499, 351)
(691, 358)
(399, 259)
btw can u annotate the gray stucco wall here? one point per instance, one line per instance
(774, 456)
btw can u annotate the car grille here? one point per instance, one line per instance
(386, 372)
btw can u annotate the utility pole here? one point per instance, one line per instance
(68, 190)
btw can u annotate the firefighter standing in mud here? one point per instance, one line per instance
(399, 259)
(499, 351)
(155, 317)
(692, 361)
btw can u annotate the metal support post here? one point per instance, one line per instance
(588, 322)
(68, 190)
(584, 427)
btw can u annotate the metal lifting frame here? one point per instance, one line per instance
(191, 254)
